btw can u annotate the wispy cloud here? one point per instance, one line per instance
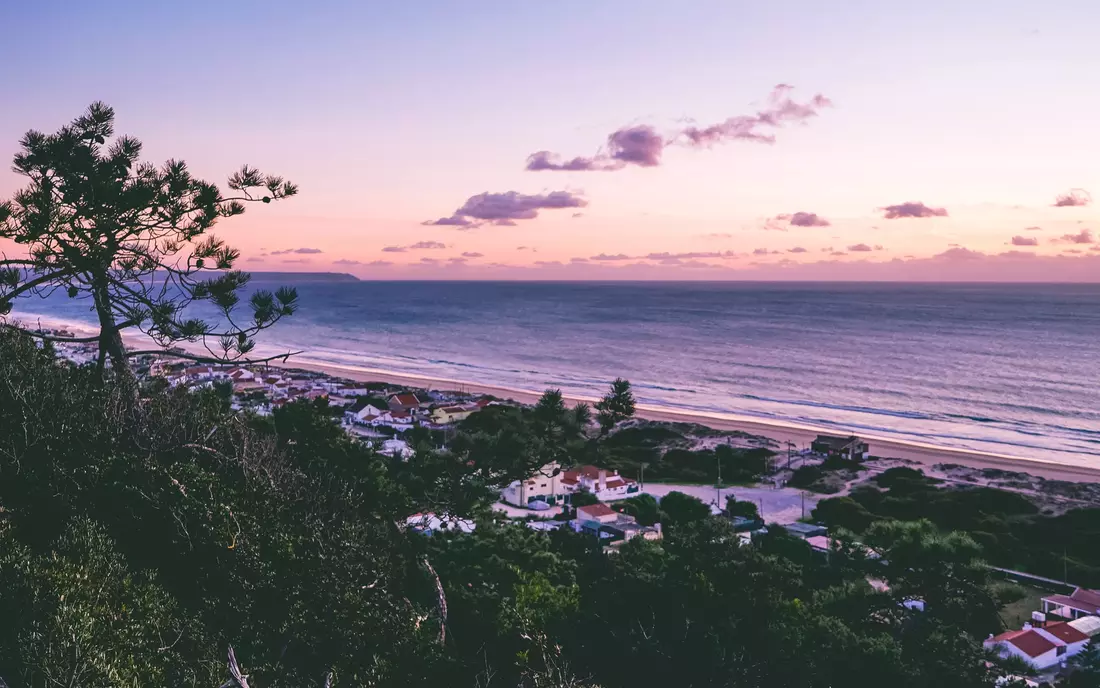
(1083, 237)
(1073, 197)
(642, 145)
(296, 250)
(418, 246)
(472, 254)
(1024, 241)
(604, 257)
(796, 249)
(912, 209)
(864, 248)
(505, 208)
(1033, 229)
(346, 261)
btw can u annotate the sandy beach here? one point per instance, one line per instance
(800, 436)
(781, 433)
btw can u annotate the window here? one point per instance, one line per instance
(1061, 650)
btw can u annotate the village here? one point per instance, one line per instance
(587, 499)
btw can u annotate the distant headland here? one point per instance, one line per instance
(304, 277)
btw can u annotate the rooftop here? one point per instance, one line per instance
(596, 510)
(1030, 642)
(1089, 625)
(1066, 633)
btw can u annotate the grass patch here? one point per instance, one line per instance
(1015, 614)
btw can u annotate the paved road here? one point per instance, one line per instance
(783, 505)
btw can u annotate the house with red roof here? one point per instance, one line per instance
(606, 485)
(1082, 602)
(1040, 646)
(404, 402)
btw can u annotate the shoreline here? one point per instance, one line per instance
(925, 455)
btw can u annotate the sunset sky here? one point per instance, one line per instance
(943, 138)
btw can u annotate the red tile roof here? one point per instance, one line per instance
(1029, 642)
(613, 483)
(596, 510)
(1066, 633)
(570, 477)
(406, 399)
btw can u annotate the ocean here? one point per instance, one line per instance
(1005, 369)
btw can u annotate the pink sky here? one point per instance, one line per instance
(654, 136)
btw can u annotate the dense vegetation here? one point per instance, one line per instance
(1010, 528)
(143, 534)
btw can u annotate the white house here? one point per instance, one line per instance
(362, 412)
(545, 484)
(600, 482)
(1042, 647)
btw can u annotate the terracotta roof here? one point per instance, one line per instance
(596, 510)
(612, 484)
(589, 472)
(1074, 601)
(570, 477)
(1029, 642)
(1066, 633)
(406, 399)
(1087, 596)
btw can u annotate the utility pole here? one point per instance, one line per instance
(718, 485)
(803, 493)
(641, 478)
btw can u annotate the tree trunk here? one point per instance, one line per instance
(110, 339)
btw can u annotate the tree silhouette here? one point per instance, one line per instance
(617, 405)
(133, 239)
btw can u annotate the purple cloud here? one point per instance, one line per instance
(473, 254)
(346, 261)
(912, 209)
(796, 249)
(1024, 241)
(781, 110)
(429, 261)
(611, 258)
(690, 255)
(1082, 237)
(425, 245)
(641, 145)
(1033, 229)
(808, 220)
(1073, 197)
(506, 208)
(458, 260)
(838, 253)
(296, 250)
(760, 252)
(860, 248)
(394, 249)
(379, 264)
(578, 260)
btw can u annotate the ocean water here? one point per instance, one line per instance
(1006, 369)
